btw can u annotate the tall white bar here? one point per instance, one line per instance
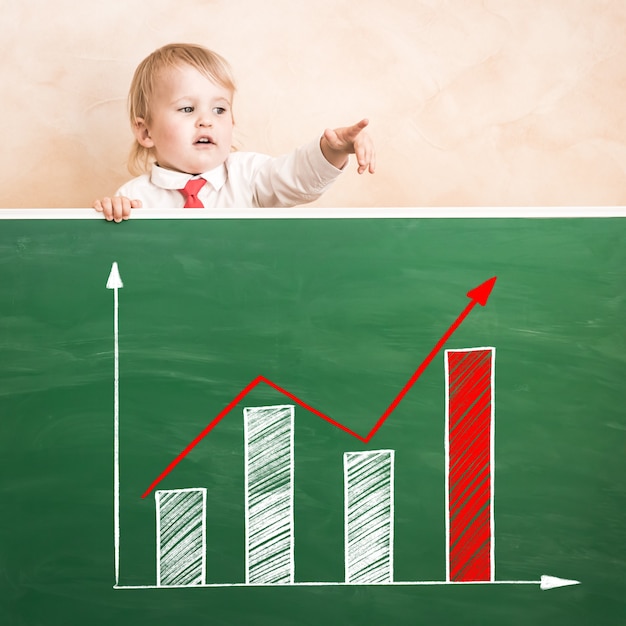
(268, 441)
(181, 537)
(369, 516)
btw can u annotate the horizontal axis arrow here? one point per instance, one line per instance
(546, 582)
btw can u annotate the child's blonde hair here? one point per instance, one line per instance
(142, 87)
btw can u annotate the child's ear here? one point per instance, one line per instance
(142, 133)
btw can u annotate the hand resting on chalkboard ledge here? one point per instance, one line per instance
(181, 115)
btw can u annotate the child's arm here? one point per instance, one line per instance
(116, 208)
(337, 144)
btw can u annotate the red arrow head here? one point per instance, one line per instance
(481, 293)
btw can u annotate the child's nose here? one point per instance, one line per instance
(204, 119)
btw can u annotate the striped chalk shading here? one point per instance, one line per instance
(181, 537)
(269, 494)
(368, 507)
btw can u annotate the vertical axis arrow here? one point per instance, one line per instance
(115, 282)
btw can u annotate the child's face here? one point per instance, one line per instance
(191, 122)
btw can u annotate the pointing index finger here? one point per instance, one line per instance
(358, 127)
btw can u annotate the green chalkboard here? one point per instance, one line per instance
(339, 314)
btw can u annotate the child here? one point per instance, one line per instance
(181, 114)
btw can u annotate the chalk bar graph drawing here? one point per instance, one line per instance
(368, 480)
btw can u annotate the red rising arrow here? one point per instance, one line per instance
(478, 295)
(481, 293)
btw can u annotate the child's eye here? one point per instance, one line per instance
(186, 110)
(219, 110)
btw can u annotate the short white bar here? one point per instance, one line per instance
(369, 512)
(181, 537)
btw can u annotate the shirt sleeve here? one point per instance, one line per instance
(295, 178)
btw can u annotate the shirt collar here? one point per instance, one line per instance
(169, 179)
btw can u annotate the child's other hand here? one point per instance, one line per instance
(116, 208)
(338, 143)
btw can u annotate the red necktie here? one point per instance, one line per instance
(190, 193)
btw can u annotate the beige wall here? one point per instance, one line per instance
(471, 102)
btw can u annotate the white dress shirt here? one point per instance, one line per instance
(246, 179)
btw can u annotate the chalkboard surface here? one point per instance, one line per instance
(338, 315)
